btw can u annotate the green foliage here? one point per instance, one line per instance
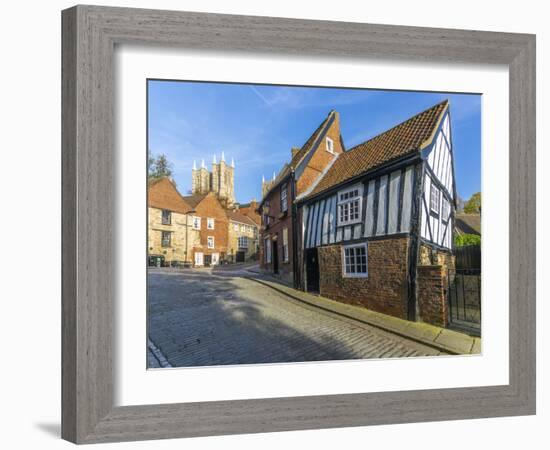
(159, 167)
(473, 206)
(467, 239)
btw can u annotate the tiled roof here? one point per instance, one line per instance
(407, 137)
(194, 200)
(468, 223)
(163, 194)
(237, 216)
(249, 210)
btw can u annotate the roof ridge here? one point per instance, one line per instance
(398, 125)
(403, 138)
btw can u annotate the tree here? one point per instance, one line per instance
(473, 206)
(462, 240)
(159, 167)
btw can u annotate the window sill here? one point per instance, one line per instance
(345, 224)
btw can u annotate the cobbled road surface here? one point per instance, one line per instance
(196, 318)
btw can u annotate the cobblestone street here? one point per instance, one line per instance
(196, 318)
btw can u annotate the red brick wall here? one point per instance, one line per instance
(431, 283)
(321, 157)
(278, 222)
(211, 207)
(384, 290)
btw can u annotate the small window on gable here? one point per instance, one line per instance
(197, 223)
(354, 260)
(330, 145)
(434, 199)
(210, 223)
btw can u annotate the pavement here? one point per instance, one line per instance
(211, 317)
(443, 339)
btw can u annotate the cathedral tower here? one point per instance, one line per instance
(221, 180)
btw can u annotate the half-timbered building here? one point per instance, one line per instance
(376, 228)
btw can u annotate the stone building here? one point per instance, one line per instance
(243, 237)
(171, 236)
(280, 223)
(209, 220)
(377, 225)
(220, 181)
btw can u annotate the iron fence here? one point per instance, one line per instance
(465, 300)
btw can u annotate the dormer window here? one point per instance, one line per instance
(330, 145)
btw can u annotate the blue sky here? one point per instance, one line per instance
(257, 125)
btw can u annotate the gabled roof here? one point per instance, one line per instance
(406, 138)
(249, 210)
(300, 154)
(308, 145)
(237, 216)
(163, 194)
(194, 200)
(468, 223)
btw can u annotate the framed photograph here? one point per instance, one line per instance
(265, 229)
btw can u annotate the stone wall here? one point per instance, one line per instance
(236, 230)
(384, 290)
(182, 240)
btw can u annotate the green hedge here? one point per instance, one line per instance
(467, 239)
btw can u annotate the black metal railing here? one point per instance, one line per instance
(465, 300)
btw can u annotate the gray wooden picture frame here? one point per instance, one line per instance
(90, 34)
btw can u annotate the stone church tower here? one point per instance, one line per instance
(221, 180)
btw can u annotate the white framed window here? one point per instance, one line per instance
(210, 241)
(235, 227)
(434, 198)
(215, 258)
(210, 223)
(285, 244)
(243, 242)
(284, 198)
(267, 248)
(354, 260)
(446, 210)
(243, 228)
(350, 205)
(330, 145)
(196, 223)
